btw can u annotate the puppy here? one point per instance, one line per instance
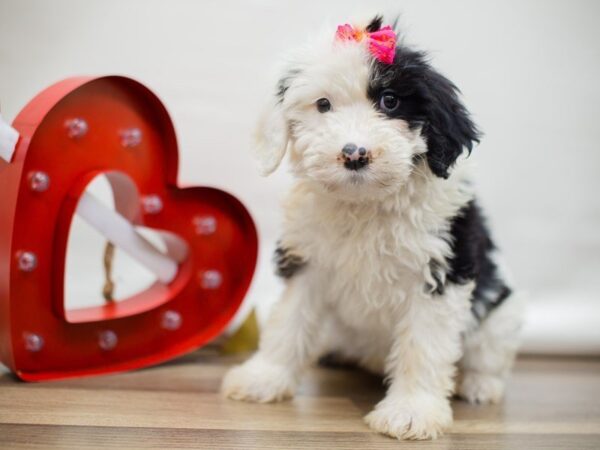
(387, 259)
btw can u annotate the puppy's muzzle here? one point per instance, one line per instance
(354, 157)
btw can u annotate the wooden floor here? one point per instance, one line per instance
(551, 404)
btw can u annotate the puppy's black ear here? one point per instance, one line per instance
(448, 128)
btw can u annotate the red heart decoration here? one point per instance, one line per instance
(70, 133)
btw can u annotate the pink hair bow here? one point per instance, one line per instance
(382, 43)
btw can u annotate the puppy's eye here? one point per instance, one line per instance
(323, 105)
(389, 102)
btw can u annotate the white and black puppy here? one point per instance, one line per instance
(386, 256)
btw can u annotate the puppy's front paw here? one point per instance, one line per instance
(481, 388)
(423, 418)
(259, 381)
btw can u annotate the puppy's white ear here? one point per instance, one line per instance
(271, 138)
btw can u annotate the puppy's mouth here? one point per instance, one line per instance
(346, 182)
(357, 177)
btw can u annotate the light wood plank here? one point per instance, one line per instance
(71, 437)
(61, 406)
(550, 403)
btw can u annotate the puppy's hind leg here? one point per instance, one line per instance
(489, 352)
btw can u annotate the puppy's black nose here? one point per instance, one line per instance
(355, 158)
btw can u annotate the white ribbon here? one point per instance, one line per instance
(118, 230)
(8, 140)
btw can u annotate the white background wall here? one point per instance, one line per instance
(529, 71)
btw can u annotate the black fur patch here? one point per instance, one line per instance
(427, 100)
(375, 24)
(287, 264)
(472, 248)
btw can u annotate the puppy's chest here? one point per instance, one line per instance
(368, 256)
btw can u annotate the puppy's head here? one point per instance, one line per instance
(360, 125)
